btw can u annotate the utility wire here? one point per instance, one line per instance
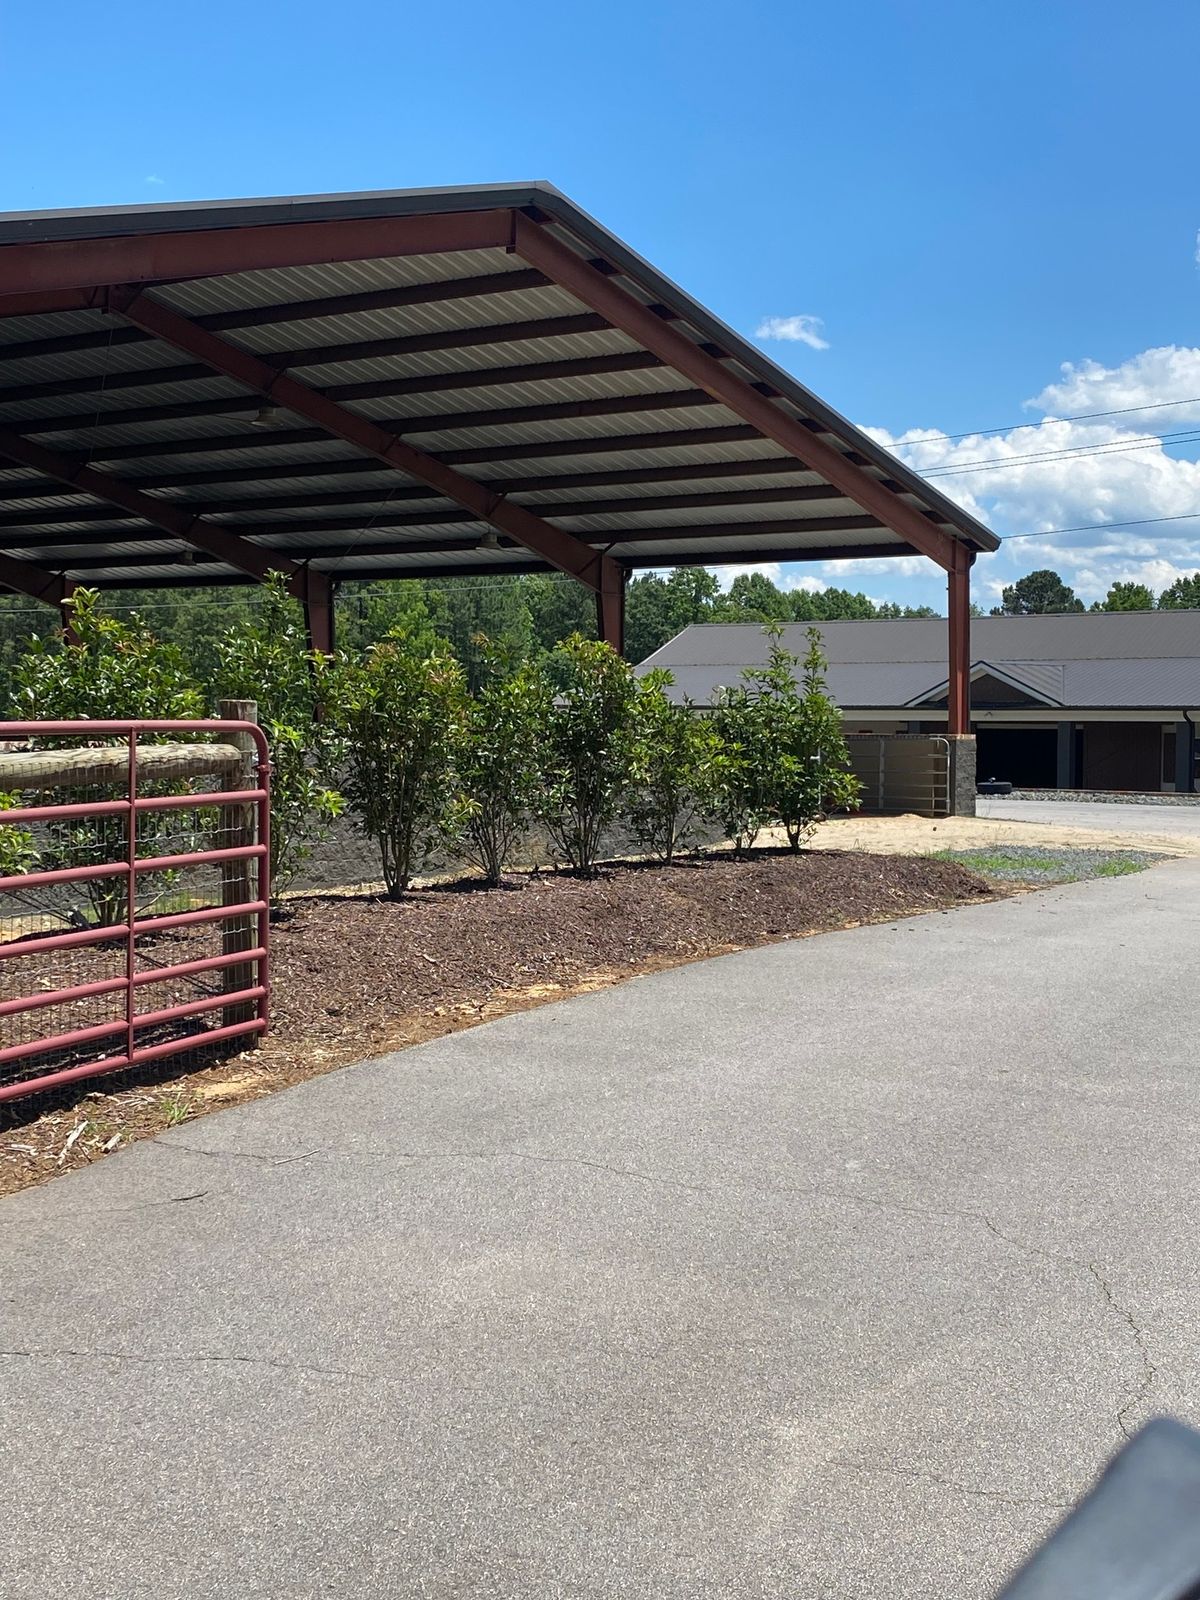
(1080, 416)
(1102, 527)
(1067, 453)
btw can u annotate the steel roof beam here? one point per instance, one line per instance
(375, 389)
(601, 444)
(444, 422)
(66, 549)
(337, 305)
(762, 466)
(537, 246)
(35, 582)
(373, 493)
(560, 549)
(509, 566)
(218, 541)
(298, 498)
(801, 494)
(318, 355)
(86, 264)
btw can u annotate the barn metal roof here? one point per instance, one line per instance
(499, 332)
(1098, 660)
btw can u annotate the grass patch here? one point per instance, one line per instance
(1036, 864)
(995, 863)
(1119, 867)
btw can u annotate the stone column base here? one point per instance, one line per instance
(962, 774)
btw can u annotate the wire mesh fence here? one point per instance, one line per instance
(133, 896)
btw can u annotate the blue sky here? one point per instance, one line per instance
(966, 196)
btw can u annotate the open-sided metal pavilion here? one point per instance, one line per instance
(407, 384)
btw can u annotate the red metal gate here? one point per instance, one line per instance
(120, 792)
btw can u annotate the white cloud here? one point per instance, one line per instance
(152, 177)
(783, 577)
(1034, 477)
(875, 566)
(1156, 377)
(801, 329)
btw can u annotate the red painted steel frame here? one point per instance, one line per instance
(129, 931)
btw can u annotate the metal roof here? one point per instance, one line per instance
(1097, 660)
(499, 332)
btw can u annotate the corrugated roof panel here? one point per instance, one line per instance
(278, 286)
(21, 330)
(71, 549)
(545, 391)
(332, 450)
(100, 438)
(103, 361)
(478, 311)
(619, 425)
(504, 353)
(717, 550)
(49, 406)
(628, 522)
(683, 480)
(416, 563)
(368, 513)
(651, 455)
(452, 532)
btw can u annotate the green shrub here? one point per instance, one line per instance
(673, 772)
(18, 852)
(114, 669)
(783, 758)
(403, 714)
(588, 746)
(498, 762)
(265, 658)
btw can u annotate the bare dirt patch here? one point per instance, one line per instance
(355, 977)
(912, 835)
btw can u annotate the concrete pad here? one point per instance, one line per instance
(827, 1270)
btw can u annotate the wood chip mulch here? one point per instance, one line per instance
(355, 977)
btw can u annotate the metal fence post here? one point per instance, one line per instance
(237, 829)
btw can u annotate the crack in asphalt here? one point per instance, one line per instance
(1149, 1373)
(233, 1155)
(104, 1211)
(1135, 1395)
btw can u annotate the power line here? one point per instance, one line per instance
(1081, 416)
(1102, 527)
(1065, 453)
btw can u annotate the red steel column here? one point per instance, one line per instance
(610, 607)
(318, 611)
(958, 587)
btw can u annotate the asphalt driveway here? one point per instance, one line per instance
(1111, 817)
(833, 1269)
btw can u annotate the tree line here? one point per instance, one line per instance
(530, 615)
(1044, 591)
(396, 738)
(524, 616)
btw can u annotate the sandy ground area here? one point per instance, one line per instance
(910, 835)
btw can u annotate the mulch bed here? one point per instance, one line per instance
(357, 976)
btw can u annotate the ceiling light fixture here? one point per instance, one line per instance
(267, 416)
(490, 541)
